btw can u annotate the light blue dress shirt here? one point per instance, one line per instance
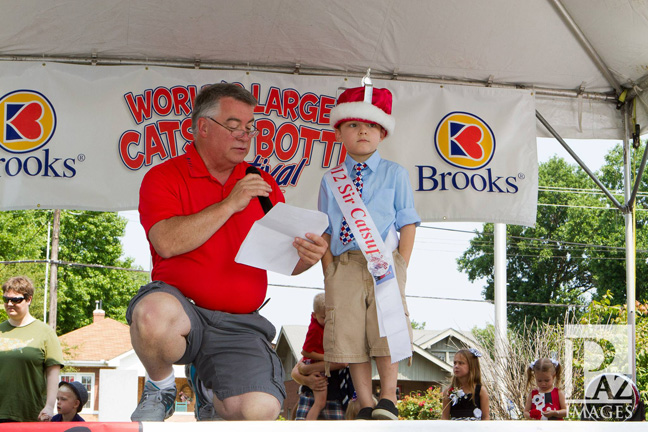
(386, 192)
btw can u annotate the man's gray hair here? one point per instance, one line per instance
(208, 100)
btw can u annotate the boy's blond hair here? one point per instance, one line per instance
(318, 304)
(354, 407)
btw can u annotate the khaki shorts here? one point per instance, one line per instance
(351, 332)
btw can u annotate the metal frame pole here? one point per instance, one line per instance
(629, 243)
(589, 49)
(573, 154)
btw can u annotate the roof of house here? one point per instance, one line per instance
(426, 338)
(101, 340)
(295, 335)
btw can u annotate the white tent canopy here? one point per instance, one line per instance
(502, 42)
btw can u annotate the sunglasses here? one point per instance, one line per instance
(14, 300)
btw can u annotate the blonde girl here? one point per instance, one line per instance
(546, 401)
(466, 398)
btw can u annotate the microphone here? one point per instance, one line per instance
(266, 204)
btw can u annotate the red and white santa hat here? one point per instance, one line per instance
(351, 106)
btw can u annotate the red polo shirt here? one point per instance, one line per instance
(182, 186)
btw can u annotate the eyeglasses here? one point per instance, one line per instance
(14, 300)
(238, 133)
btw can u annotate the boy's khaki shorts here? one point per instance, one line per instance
(351, 332)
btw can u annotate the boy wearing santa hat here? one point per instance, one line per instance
(362, 119)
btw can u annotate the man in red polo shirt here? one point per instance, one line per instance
(201, 308)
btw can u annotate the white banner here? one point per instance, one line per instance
(82, 137)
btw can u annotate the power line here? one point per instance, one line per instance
(449, 298)
(73, 264)
(564, 189)
(449, 229)
(557, 242)
(570, 250)
(565, 257)
(585, 207)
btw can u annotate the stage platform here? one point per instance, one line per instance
(340, 426)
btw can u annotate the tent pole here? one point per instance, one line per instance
(500, 293)
(133, 61)
(630, 202)
(588, 46)
(630, 244)
(553, 132)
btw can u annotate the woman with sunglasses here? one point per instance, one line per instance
(30, 358)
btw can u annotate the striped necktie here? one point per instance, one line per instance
(345, 231)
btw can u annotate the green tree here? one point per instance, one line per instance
(605, 311)
(418, 325)
(610, 273)
(85, 237)
(24, 237)
(560, 260)
(93, 238)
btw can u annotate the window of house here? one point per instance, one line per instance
(87, 379)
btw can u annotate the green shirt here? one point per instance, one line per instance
(25, 353)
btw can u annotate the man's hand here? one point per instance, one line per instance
(249, 187)
(181, 234)
(310, 252)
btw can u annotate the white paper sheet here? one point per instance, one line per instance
(269, 244)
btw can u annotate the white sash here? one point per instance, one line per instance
(392, 322)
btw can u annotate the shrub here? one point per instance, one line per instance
(421, 405)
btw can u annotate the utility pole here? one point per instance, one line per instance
(54, 268)
(47, 268)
